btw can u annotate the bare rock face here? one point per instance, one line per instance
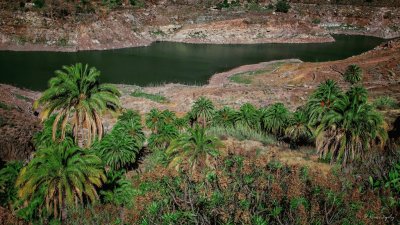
(18, 123)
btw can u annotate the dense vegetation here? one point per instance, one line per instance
(81, 174)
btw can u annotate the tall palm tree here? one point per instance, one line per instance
(321, 101)
(353, 74)
(275, 118)
(77, 95)
(225, 117)
(65, 176)
(195, 146)
(249, 116)
(203, 111)
(347, 131)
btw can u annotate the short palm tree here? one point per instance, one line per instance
(347, 131)
(154, 120)
(275, 118)
(353, 74)
(298, 130)
(118, 149)
(163, 138)
(65, 177)
(8, 176)
(225, 117)
(78, 97)
(321, 101)
(130, 122)
(195, 146)
(357, 95)
(249, 116)
(203, 111)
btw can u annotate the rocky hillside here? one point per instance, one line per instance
(67, 27)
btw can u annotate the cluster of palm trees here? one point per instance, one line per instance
(75, 158)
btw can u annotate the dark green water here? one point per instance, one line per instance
(170, 62)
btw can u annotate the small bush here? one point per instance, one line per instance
(353, 74)
(385, 102)
(282, 6)
(154, 97)
(39, 3)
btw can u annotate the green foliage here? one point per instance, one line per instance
(249, 116)
(321, 101)
(203, 111)
(195, 146)
(8, 176)
(163, 138)
(78, 96)
(112, 3)
(282, 6)
(250, 191)
(39, 3)
(298, 130)
(275, 118)
(4, 106)
(117, 190)
(353, 74)
(59, 177)
(393, 180)
(349, 128)
(241, 133)
(385, 102)
(121, 146)
(225, 117)
(44, 138)
(153, 97)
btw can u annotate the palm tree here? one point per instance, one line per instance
(249, 116)
(118, 149)
(130, 123)
(357, 95)
(298, 130)
(347, 131)
(196, 146)
(353, 74)
(154, 120)
(203, 110)
(168, 116)
(44, 138)
(65, 176)
(225, 117)
(163, 138)
(275, 118)
(77, 95)
(321, 101)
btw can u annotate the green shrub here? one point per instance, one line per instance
(112, 3)
(153, 97)
(39, 3)
(385, 102)
(282, 6)
(4, 106)
(353, 74)
(241, 133)
(8, 176)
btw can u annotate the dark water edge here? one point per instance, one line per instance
(166, 62)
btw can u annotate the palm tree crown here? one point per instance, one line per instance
(77, 94)
(353, 74)
(203, 110)
(321, 101)
(275, 118)
(65, 176)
